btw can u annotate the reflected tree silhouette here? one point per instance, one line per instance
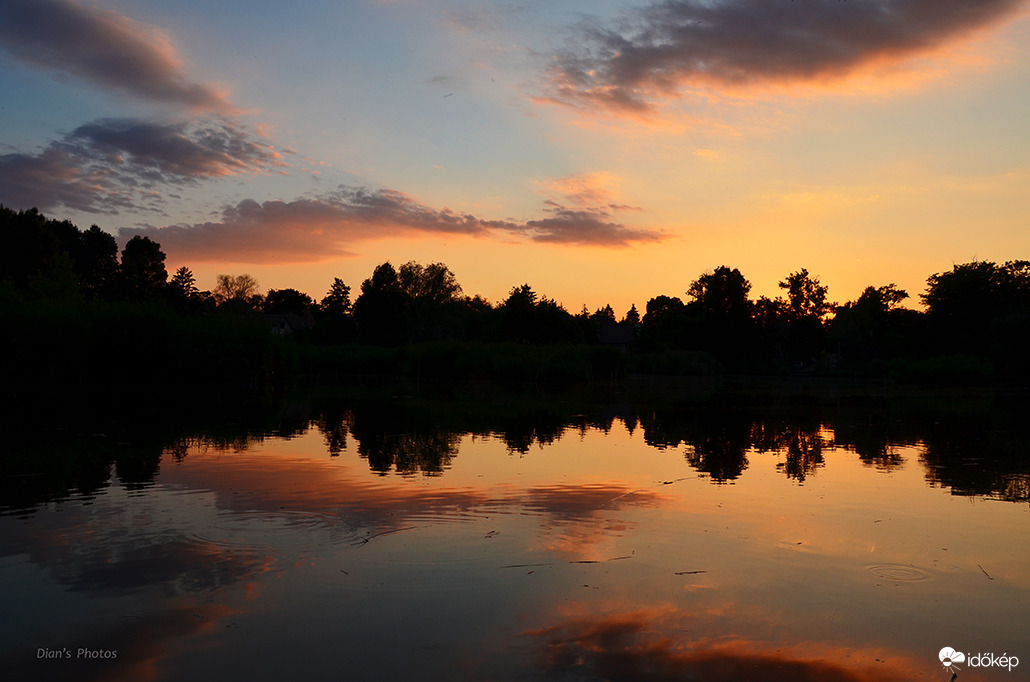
(410, 453)
(970, 446)
(722, 456)
(716, 439)
(522, 430)
(394, 436)
(800, 444)
(334, 423)
(974, 457)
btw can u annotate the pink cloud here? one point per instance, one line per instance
(327, 226)
(661, 48)
(105, 48)
(113, 165)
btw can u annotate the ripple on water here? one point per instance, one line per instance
(263, 522)
(899, 572)
(250, 530)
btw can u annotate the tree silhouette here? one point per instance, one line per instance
(869, 327)
(143, 268)
(336, 304)
(336, 320)
(982, 308)
(527, 318)
(237, 288)
(724, 325)
(183, 283)
(379, 310)
(517, 313)
(429, 291)
(96, 261)
(802, 336)
(722, 294)
(664, 323)
(806, 297)
(282, 301)
(604, 317)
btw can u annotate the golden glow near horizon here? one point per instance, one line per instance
(527, 148)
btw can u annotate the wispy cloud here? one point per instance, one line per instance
(327, 226)
(583, 189)
(662, 50)
(587, 226)
(105, 48)
(111, 165)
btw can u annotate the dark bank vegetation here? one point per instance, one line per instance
(80, 312)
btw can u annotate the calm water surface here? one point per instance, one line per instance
(711, 538)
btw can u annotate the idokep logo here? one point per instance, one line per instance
(949, 658)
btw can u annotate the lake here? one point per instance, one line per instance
(795, 531)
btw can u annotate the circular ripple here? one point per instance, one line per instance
(266, 522)
(899, 573)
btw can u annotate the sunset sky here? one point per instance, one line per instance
(602, 151)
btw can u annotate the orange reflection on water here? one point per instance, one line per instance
(657, 644)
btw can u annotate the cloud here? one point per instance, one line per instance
(112, 165)
(105, 48)
(664, 48)
(583, 189)
(581, 208)
(317, 228)
(585, 226)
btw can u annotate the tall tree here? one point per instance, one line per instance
(722, 294)
(604, 317)
(96, 261)
(664, 323)
(517, 310)
(379, 310)
(723, 311)
(430, 290)
(282, 301)
(867, 328)
(432, 284)
(183, 283)
(969, 306)
(806, 297)
(336, 304)
(801, 335)
(143, 268)
(336, 320)
(239, 288)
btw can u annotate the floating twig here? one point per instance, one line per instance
(985, 572)
(689, 572)
(364, 540)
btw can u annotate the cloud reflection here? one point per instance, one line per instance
(650, 644)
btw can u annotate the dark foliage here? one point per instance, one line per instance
(79, 315)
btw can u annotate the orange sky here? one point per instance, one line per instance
(606, 154)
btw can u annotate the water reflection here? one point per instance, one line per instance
(655, 644)
(970, 446)
(696, 536)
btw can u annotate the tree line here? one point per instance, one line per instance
(974, 324)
